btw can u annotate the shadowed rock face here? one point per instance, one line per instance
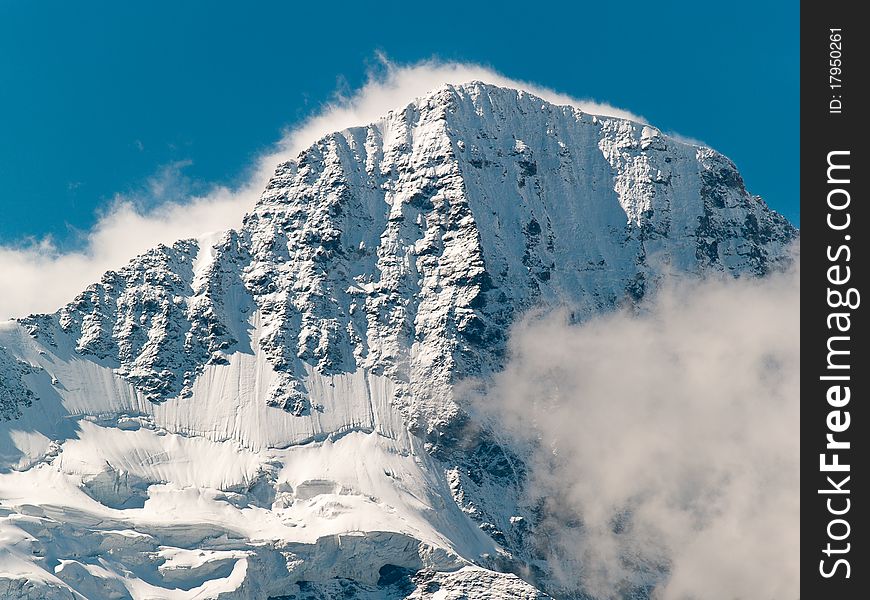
(404, 250)
(14, 393)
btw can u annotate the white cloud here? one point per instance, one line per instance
(680, 425)
(684, 139)
(37, 277)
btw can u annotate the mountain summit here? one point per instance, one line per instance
(271, 411)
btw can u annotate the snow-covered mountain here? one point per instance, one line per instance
(271, 412)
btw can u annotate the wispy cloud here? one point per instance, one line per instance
(38, 277)
(670, 434)
(686, 139)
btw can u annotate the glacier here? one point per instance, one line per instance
(272, 412)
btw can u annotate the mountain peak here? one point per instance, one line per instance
(379, 268)
(461, 210)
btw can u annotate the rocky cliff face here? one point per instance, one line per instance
(379, 268)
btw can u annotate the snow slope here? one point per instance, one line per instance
(271, 412)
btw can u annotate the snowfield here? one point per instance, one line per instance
(271, 412)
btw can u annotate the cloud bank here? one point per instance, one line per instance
(38, 277)
(665, 442)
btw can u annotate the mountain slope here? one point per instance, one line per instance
(241, 413)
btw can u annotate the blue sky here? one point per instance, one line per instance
(98, 97)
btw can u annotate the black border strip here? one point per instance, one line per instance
(834, 261)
